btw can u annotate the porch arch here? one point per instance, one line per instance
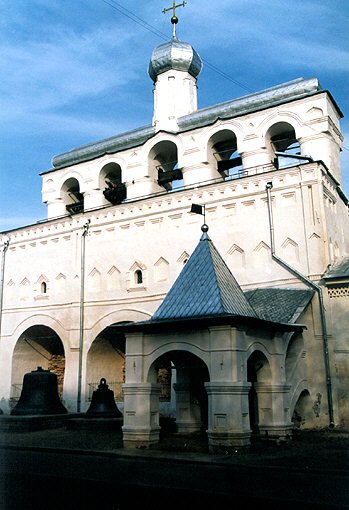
(106, 359)
(258, 373)
(37, 346)
(187, 374)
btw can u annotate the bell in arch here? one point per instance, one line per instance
(39, 395)
(103, 404)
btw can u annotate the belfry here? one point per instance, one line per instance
(174, 67)
(218, 331)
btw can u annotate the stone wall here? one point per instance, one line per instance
(57, 366)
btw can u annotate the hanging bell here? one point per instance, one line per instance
(39, 395)
(103, 404)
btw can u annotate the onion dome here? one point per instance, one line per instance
(177, 55)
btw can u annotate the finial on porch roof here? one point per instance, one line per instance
(200, 209)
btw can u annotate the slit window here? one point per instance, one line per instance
(138, 277)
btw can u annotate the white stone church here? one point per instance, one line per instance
(200, 264)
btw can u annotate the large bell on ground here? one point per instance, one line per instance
(39, 395)
(103, 404)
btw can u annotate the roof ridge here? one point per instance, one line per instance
(205, 287)
(232, 276)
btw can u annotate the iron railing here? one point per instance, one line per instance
(16, 390)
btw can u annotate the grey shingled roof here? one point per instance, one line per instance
(273, 96)
(279, 94)
(339, 270)
(279, 305)
(205, 287)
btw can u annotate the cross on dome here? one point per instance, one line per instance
(174, 19)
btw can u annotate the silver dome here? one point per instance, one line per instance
(177, 55)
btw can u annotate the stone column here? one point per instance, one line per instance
(323, 146)
(94, 198)
(228, 425)
(56, 208)
(188, 417)
(6, 355)
(273, 406)
(141, 414)
(254, 161)
(142, 186)
(70, 386)
(200, 172)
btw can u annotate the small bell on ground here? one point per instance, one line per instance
(39, 395)
(103, 404)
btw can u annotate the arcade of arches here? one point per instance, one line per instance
(184, 391)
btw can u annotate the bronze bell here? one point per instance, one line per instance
(103, 404)
(39, 395)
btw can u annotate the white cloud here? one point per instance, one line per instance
(73, 70)
(46, 74)
(89, 127)
(291, 34)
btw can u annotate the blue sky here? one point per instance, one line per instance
(75, 71)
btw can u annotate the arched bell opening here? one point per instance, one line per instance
(258, 374)
(72, 196)
(106, 360)
(223, 147)
(38, 346)
(110, 181)
(163, 165)
(183, 397)
(284, 147)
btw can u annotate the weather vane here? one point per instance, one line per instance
(200, 209)
(174, 19)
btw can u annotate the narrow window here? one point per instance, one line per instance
(138, 277)
(43, 287)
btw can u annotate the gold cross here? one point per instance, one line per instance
(174, 7)
(174, 19)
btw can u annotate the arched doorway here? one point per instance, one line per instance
(38, 346)
(258, 372)
(183, 397)
(106, 359)
(304, 410)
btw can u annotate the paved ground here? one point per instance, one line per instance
(84, 469)
(316, 449)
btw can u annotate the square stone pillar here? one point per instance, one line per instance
(273, 410)
(188, 416)
(141, 414)
(228, 425)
